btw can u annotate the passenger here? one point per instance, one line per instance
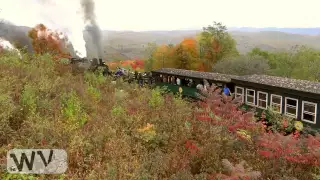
(226, 90)
(199, 87)
(190, 83)
(172, 80)
(118, 72)
(136, 74)
(178, 82)
(205, 88)
(165, 79)
(150, 78)
(206, 85)
(140, 80)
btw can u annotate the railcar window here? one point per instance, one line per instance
(291, 106)
(250, 94)
(262, 99)
(309, 111)
(239, 93)
(276, 103)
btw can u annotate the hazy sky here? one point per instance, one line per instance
(170, 14)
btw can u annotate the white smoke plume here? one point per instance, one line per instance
(6, 45)
(61, 15)
(88, 7)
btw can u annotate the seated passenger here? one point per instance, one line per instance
(172, 80)
(178, 82)
(199, 86)
(164, 79)
(190, 82)
(119, 72)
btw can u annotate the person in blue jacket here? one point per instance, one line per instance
(226, 90)
(119, 72)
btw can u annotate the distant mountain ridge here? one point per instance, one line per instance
(304, 31)
(120, 45)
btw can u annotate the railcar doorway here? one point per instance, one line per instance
(231, 86)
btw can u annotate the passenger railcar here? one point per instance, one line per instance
(189, 80)
(299, 99)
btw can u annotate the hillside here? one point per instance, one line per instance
(117, 130)
(121, 45)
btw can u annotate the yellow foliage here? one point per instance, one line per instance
(146, 128)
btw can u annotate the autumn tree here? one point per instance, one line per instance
(215, 44)
(163, 57)
(151, 47)
(211, 46)
(186, 55)
(46, 41)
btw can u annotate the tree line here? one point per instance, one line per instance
(214, 50)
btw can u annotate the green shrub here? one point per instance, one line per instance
(8, 176)
(94, 92)
(29, 99)
(156, 98)
(64, 61)
(94, 79)
(117, 110)
(72, 109)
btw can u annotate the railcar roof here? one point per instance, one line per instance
(294, 84)
(196, 74)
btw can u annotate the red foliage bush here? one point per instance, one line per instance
(191, 147)
(304, 150)
(222, 110)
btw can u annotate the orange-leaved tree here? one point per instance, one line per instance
(45, 40)
(186, 55)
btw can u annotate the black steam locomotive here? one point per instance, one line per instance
(90, 64)
(83, 64)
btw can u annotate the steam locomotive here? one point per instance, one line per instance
(94, 64)
(83, 64)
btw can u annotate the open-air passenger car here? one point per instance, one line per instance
(299, 99)
(188, 80)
